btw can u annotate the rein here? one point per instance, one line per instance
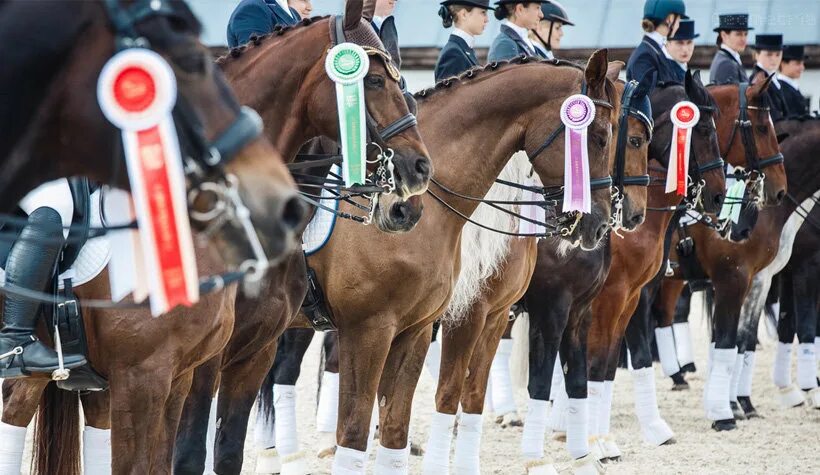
(562, 225)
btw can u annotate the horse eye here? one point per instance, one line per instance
(636, 142)
(374, 82)
(763, 129)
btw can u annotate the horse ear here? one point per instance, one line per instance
(613, 70)
(596, 69)
(353, 14)
(760, 83)
(369, 10)
(390, 39)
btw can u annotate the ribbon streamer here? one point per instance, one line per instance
(685, 116)
(137, 92)
(347, 64)
(533, 212)
(577, 113)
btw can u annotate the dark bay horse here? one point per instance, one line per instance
(564, 289)
(298, 103)
(383, 340)
(53, 126)
(741, 273)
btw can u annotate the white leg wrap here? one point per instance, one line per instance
(816, 350)
(683, 343)
(654, 429)
(503, 400)
(96, 451)
(264, 431)
(666, 350)
(535, 429)
(577, 428)
(348, 462)
(720, 378)
(737, 369)
(468, 445)
(328, 411)
(210, 438)
(488, 397)
(371, 433)
(267, 462)
(11, 449)
(558, 393)
(744, 387)
(806, 366)
(437, 453)
(433, 360)
(595, 397)
(294, 462)
(605, 410)
(789, 396)
(392, 461)
(782, 370)
(557, 377)
(814, 398)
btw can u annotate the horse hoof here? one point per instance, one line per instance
(268, 462)
(748, 408)
(789, 397)
(611, 450)
(416, 449)
(540, 467)
(679, 382)
(737, 411)
(510, 419)
(295, 464)
(724, 425)
(559, 436)
(327, 452)
(587, 465)
(813, 398)
(688, 368)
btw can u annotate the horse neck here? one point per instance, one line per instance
(802, 169)
(494, 129)
(278, 85)
(658, 221)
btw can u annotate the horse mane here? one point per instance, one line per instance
(483, 71)
(256, 40)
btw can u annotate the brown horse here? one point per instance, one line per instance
(470, 340)
(53, 127)
(213, 318)
(383, 340)
(306, 92)
(738, 271)
(625, 284)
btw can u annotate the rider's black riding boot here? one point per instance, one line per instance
(30, 265)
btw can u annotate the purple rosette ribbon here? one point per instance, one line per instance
(577, 113)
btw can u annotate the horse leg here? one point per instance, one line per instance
(181, 387)
(138, 398)
(788, 395)
(752, 308)
(502, 390)
(664, 331)
(20, 399)
(547, 323)
(654, 428)
(279, 395)
(730, 290)
(806, 325)
(238, 387)
(358, 382)
(468, 440)
(458, 346)
(194, 454)
(672, 305)
(97, 433)
(327, 414)
(433, 359)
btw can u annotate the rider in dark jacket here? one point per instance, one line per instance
(733, 33)
(469, 18)
(258, 17)
(660, 20)
(517, 17)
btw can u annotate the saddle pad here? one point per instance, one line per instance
(94, 255)
(320, 227)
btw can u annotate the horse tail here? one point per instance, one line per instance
(319, 373)
(265, 398)
(709, 308)
(57, 433)
(520, 358)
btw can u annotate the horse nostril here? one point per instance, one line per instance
(599, 234)
(423, 167)
(637, 219)
(780, 195)
(293, 213)
(398, 212)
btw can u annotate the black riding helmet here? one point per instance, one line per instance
(553, 12)
(501, 9)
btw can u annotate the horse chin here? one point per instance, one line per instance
(396, 215)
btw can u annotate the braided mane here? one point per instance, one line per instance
(256, 40)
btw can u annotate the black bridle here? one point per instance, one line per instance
(563, 224)
(753, 162)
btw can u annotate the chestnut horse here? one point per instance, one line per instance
(741, 272)
(53, 126)
(298, 103)
(473, 324)
(383, 341)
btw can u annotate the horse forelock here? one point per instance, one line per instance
(483, 251)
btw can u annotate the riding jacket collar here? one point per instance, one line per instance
(521, 32)
(732, 53)
(657, 38)
(468, 38)
(770, 73)
(283, 4)
(791, 82)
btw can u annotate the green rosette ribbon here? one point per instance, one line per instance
(347, 65)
